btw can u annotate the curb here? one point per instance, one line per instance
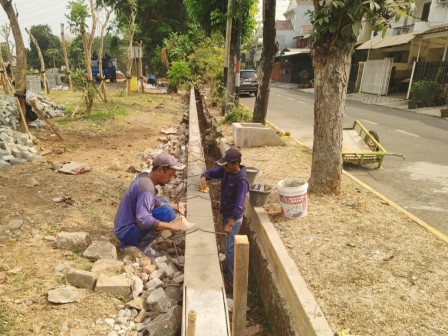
(420, 222)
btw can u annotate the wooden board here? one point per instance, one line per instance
(353, 143)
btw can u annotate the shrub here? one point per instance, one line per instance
(237, 114)
(179, 74)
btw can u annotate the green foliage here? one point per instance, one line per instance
(180, 74)
(7, 320)
(237, 114)
(76, 19)
(49, 44)
(155, 21)
(338, 23)
(80, 82)
(423, 88)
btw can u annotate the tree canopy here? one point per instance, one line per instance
(49, 44)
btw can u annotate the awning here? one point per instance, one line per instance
(379, 42)
(434, 32)
(293, 51)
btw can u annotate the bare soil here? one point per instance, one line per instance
(30, 265)
(372, 269)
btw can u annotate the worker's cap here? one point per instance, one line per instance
(232, 155)
(167, 160)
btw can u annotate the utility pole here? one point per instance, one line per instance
(226, 55)
(238, 54)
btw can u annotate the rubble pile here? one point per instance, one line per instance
(153, 286)
(17, 147)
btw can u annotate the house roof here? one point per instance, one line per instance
(379, 42)
(294, 51)
(283, 25)
(437, 31)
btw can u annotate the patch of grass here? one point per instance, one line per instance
(71, 147)
(20, 281)
(237, 114)
(7, 320)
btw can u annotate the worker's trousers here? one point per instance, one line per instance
(230, 251)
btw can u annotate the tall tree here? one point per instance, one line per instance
(21, 66)
(79, 13)
(267, 61)
(5, 31)
(46, 42)
(336, 26)
(155, 20)
(41, 59)
(100, 59)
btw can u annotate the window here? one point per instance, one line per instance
(425, 11)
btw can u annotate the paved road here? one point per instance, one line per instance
(419, 183)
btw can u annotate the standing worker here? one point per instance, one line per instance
(141, 215)
(8, 70)
(234, 188)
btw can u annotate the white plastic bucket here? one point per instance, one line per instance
(293, 197)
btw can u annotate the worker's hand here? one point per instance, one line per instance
(228, 226)
(181, 208)
(202, 183)
(178, 225)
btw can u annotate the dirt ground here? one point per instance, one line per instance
(30, 265)
(372, 270)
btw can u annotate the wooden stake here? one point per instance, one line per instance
(22, 117)
(191, 326)
(41, 115)
(77, 105)
(240, 279)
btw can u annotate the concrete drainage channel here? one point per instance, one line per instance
(289, 305)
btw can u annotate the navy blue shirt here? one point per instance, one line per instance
(234, 188)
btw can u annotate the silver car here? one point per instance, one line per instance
(248, 82)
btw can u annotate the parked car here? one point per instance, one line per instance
(248, 82)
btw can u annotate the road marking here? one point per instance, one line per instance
(370, 122)
(407, 133)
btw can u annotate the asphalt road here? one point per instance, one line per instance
(419, 183)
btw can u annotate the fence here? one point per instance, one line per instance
(428, 70)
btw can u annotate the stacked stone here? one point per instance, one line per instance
(8, 113)
(16, 148)
(153, 285)
(48, 108)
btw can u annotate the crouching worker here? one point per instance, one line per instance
(141, 214)
(234, 188)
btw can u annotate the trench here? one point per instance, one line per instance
(257, 322)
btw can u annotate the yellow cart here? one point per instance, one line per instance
(360, 146)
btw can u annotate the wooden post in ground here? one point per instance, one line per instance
(191, 326)
(240, 279)
(42, 116)
(42, 64)
(64, 49)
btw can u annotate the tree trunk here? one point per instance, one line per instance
(21, 65)
(131, 42)
(64, 49)
(100, 59)
(42, 63)
(7, 86)
(231, 71)
(6, 31)
(331, 71)
(267, 62)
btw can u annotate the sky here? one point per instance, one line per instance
(52, 12)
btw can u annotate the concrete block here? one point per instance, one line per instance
(107, 266)
(114, 284)
(73, 241)
(4, 164)
(247, 135)
(101, 250)
(81, 279)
